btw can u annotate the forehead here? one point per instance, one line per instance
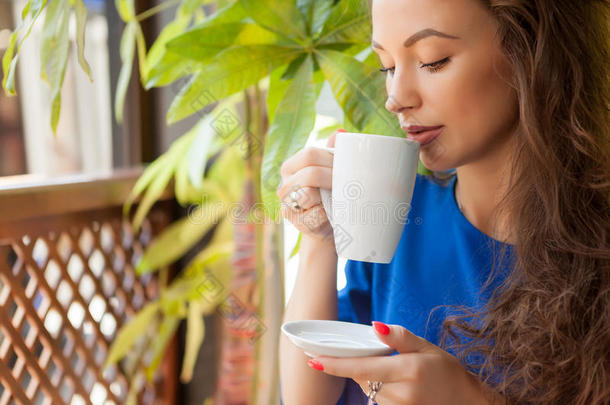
(395, 20)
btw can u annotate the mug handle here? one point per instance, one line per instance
(326, 194)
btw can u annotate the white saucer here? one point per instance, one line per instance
(335, 338)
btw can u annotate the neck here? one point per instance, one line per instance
(479, 190)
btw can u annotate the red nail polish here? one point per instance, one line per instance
(315, 364)
(381, 328)
(341, 130)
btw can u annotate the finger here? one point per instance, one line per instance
(401, 339)
(309, 156)
(311, 221)
(306, 197)
(375, 368)
(331, 139)
(310, 176)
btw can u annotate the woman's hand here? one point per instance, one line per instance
(305, 173)
(421, 374)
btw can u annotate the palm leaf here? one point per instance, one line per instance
(236, 69)
(293, 122)
(349, 22)
(356, 87)
(280, 16)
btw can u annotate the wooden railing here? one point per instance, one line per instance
(67, 285)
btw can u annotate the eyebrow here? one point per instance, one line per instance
(428, 32)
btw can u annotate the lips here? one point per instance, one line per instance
(420, 128)
(423, 134)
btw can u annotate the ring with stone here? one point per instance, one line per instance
(374, 387)
(294, 204)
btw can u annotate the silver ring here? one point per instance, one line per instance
(374, 386)
(294, 204)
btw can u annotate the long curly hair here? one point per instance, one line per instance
(544, 336)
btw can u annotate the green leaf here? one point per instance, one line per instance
(203, 44)
(126, 9)
(157, 50)
(174, 309)
(55, 39)
(280, 16)
(372, 59)
(26, 10)
(211, 266)
(159, 344)
(184, 190)
(8, 65)
(228, 173)
(278, 84)
(80, 12)
(293, 122)
(10, 57)
(316, 14)
(296, 247)
(149, 174)
(127, 50)
(168, 69)
(203, 280)
(135, 387)
(349, 22)
(169, 161)
(188, 7)
(130, 332)
(276, 91)
(231, 12)
(195, 334)
(228, 125)
(327, 131)
(152, 194)
(356, 87)
(171, 67)
(51, 32)
(197, 155)
(236, 69)
(293, 67)
(9, 75)
(180, 236)
(141, 46)
(55, 110)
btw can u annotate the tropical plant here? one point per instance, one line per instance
(270, 57)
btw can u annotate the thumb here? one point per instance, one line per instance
(400, 338)
(331, 139)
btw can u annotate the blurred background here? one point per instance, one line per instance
(89, 141)
(89, 148)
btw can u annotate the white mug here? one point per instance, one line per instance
(372, 185)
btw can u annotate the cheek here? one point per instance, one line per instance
(477, 100)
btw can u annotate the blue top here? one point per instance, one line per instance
(441, 259)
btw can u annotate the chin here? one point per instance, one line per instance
(434, 158)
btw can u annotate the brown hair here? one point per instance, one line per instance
(544, 336)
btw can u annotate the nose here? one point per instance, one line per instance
(402, 94)
(394, 106)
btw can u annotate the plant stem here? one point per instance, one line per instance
(256, 143)
(156, 9)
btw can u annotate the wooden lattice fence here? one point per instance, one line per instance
(67, 285)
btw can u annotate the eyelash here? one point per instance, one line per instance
(432, 67)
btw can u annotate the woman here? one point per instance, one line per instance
(508, 266)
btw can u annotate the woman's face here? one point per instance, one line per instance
(457, 77)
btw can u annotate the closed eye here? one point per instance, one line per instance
(431, 67)
(435, 66)
(385, 70)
